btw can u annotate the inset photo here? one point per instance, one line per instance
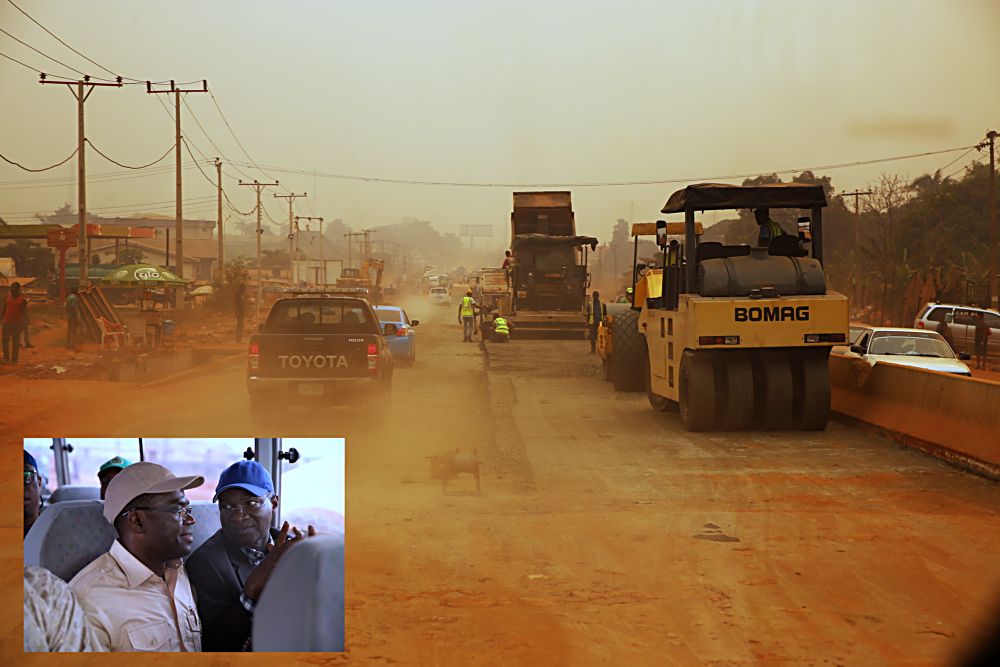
(183, 544)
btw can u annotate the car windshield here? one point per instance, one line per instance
(439, 290)
(910, 345)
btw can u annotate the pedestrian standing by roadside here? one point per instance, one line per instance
(596, 312)
(72, 319)
(982, 340)
(945, 331)
(239, 309)
(13, 316)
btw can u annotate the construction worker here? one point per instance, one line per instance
(769, 229)
(501, 329)
(467, 316)
(596, 312)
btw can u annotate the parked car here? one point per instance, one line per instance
(397, 328)
(440, 296)
(854, 331)
(962, 324)
(910, 347)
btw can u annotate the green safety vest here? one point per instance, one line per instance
(467, 309)
(590, 311)
(500, 326)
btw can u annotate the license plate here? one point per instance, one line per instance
(310, 390)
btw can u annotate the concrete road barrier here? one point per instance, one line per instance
(949, 416)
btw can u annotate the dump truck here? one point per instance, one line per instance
(549, 279)
(734, 336)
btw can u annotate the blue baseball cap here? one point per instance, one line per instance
(29, 460)
(248, 475)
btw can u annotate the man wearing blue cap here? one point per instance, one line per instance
(229, 571)
(32, 491)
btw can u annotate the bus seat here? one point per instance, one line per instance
(206, 521)
(75, 492)
(67, 536)
(302, 606)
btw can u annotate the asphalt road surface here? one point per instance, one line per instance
(603, 532)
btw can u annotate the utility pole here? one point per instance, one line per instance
(291, 196)
(218, 173)
(306, 217)
(179, 207)
(258, 186)
(349, 236)
(994, 233)
(857, 245)
(81, 96)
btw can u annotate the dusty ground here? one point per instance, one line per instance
(604, 532)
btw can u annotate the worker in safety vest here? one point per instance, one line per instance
(501, 329)
(467, 316)
(769, 229)
(596, 312)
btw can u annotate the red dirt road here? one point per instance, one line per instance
(604, 532)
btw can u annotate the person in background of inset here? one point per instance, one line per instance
(239, 308)
(137, 596)
(108, 470)
(12, 316)
(982, 340)
(54, 621)
(508, 266)
(230, 570)
(72, 319)
(32, 491)
(596, 312)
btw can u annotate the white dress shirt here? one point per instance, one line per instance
(133, 609)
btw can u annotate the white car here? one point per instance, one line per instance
(440, 296)
(909, 347)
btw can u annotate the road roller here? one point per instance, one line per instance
(734, 337)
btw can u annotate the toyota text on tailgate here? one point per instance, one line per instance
(310, 349)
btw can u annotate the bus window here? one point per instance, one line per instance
(312, 492)
(207, 457)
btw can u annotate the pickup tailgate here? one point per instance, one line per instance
(316, 356)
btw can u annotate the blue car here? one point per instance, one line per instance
(397, 328)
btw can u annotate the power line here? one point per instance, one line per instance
(21, 166)
(662, 181)
(71, 180)
(238, 142)
(34, 70)
(42, 53)
(978, 160)
(56, 37)
(108, 208)
(125, 166)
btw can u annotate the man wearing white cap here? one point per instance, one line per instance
(138, 596)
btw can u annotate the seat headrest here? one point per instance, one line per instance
(302, 606)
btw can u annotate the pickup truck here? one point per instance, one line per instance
(317, 349)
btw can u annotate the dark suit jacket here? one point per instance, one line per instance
(218, 570)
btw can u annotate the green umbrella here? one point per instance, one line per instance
(143, 275)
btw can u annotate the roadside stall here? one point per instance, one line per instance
(154, 285)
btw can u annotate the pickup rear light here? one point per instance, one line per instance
(920, 324)
(372, 358)
(253, 358)
(718, 340)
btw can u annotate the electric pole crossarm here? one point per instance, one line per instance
(291, 196)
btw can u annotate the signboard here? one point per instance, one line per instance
(475, 230)
(62, 238)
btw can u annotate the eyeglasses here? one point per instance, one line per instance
(249, 507)
(181, 513)
(30, 477)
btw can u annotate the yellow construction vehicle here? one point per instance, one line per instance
(734, 336)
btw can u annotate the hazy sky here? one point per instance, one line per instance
(503, 92)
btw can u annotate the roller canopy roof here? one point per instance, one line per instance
(545, 239)
(716, 196)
